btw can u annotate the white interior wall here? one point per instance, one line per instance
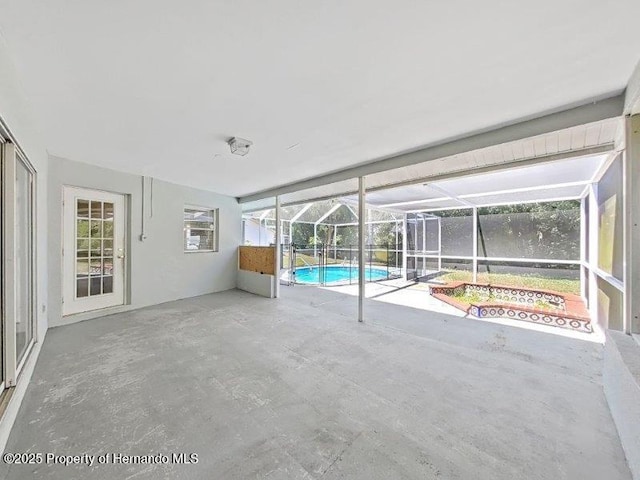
(159, 269)
(16, 112)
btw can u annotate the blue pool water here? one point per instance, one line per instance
(337, 274)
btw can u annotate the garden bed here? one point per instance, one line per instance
(562, 310)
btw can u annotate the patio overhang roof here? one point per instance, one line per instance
(555, 166)
(553, 181)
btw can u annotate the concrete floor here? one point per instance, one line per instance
(296, 388)
(416, 295)
(401, 292)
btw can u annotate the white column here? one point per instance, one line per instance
(361, 246)
(315, 240)
(335, 242)
(417, 247)
(404, 246)
(592, 254)
(395, 245)
(276, 287)
(369, 227)
(631, 199)
(424, 245)
(475, 244)
(583, 248)
(439, 244)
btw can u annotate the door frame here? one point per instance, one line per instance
(126, 244)
(11, 154)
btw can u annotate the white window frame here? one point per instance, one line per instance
(216, 228)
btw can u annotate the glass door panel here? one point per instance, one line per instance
(18, 226)
(93, 232)
(94, 248)
(23, 258)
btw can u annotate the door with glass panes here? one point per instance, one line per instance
(93, 251)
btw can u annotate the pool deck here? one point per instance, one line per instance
(416, 295)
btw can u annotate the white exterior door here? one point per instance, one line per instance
(93, 250)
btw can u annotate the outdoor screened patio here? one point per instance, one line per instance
(553, 226)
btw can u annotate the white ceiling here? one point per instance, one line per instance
(155, 87)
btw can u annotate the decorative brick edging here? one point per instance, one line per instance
(571, 313)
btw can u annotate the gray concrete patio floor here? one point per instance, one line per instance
(296, 388)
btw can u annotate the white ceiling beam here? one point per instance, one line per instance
(523, 202)
(584, 153)
(514, 164)
(604, 166)
(413, 202)
(467, 196)
(508, 165)
(264, 214)
(299, 214)
(372, 222)
(437, 209)
(498, 204)
(585, 191)
(257, 208)
(326, 215)
(352, 210)
(587, 111)
(527, 189)
(452, 196)
(522, 163)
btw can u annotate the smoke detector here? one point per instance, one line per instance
(239, 146)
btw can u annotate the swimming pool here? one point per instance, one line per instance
(338, 274)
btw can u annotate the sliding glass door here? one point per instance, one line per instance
(18, 248)
(3, 281)
(24, 259)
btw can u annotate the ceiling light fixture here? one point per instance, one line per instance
(239, 146)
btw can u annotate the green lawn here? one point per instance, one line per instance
(525, 281)
(303, 260)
